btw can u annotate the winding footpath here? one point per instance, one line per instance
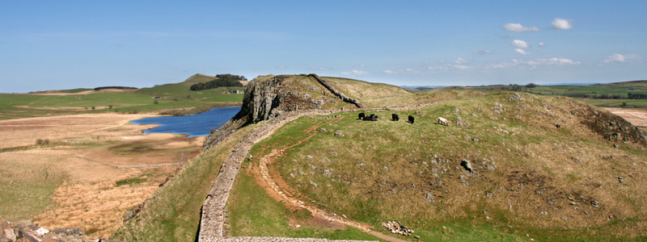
(213, 209)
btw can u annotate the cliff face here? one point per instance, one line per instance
(267, 97)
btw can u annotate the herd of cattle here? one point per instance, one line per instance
(395, 117)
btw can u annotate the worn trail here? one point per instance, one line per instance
(213, 213)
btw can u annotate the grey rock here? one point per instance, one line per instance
(309, 157)
(68, 232)
(429, 197)
(339, 133)
(322, 130)
(467, 165)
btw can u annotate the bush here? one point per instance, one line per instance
(155, 102)
(93, 108)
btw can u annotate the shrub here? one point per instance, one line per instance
(155, 102)
(39, 141)
(93, 108)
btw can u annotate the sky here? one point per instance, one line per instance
(47, 45)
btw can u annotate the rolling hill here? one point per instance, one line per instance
(511, 166)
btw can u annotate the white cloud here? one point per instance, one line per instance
(354, 72)
(482, 52)
(389, 72)
(519, 28)
(561, 24)
(460, 61)
(541, 44)
(281, 67)
(520, 44)
(537, 62)
(621, 58)
(523, 52)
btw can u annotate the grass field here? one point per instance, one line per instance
(381, 171)
(162, 97)
(620, 89)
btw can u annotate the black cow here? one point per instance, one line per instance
(371, 117)
(395, 117)
(361, 116)
(411, 119)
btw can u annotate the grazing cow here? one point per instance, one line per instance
(411, 119)
(371, 117)
(395, 117)
(443, 121)
(361, 116)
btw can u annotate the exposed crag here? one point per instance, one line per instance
(267, 97)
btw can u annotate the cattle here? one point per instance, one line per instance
(395, 117)
(361, 116)
(443, 121)
(411, 119)
(371, 117)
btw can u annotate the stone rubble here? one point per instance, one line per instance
(397, 228)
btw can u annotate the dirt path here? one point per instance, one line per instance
(278, 189)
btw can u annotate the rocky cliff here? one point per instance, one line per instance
(267, 97)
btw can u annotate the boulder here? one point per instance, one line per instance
(467, 165)
(339, 133)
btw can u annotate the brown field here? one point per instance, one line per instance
(637, 117)
(58, 93)
(72, 182)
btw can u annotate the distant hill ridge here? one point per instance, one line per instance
(202, 78)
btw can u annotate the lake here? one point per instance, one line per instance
(193, 125)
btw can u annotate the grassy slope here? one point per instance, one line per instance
(173, 212)
(254, 213)
(378, 164)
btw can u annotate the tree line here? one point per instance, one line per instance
(224, 80)
(113, 87)
(608, 96)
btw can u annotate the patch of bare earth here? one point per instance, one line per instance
(637, 117)
(88, 149)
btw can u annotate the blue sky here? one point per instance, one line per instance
(48, 45)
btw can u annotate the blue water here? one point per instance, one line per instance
(193, 125)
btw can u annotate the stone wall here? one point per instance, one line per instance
(213, 214)
(337, 93)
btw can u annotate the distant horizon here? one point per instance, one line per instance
(402, 86)
(49, 45)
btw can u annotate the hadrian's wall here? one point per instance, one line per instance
(213, 213)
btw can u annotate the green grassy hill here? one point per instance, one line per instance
(543, 169)
(154, 99)
(530, 177)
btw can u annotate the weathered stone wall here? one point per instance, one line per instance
(337, 93)
(213, 213)
(211, 224)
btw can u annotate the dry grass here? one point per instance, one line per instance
(20, 132)
(72, 181)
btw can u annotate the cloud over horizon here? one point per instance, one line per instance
(520, 44)
(516, 27)
(561, 24)
(523, 52)
(354, 73)
(618, 58)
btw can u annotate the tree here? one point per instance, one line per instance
(531, 85)
(624, 104)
